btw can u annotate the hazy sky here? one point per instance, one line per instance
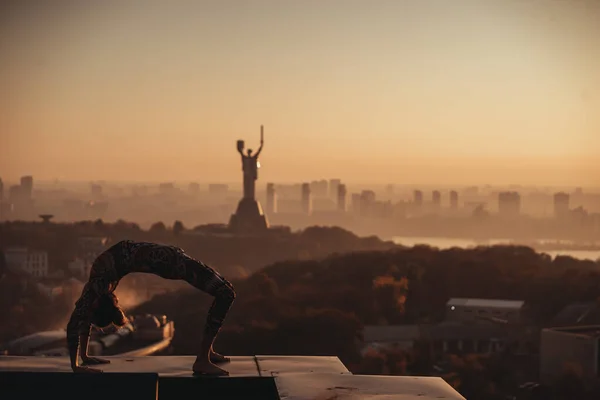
(464, 91)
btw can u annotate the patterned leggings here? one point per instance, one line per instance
(170, 262)
(203, 277)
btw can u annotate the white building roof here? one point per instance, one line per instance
(486, 303)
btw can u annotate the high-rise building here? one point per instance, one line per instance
(341, 198)
(436, 198)
(389, 190)
(96, 190)
(27, 186)
(509, 203)
(218, 188)
(271, 199)
(418, 198)
(355, 202)
(15, 194)
(194, 187)
(166, 188)
(454, 199)
(306, 198)
(367, 201)
(333, 187)
(319, 188)
(561, 204)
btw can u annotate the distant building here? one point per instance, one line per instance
(478, 310)
(436, 198)
(27, 186)
(194, 187)
(418, 198)
(367, 202)
(454, 200)
(570, 348)
(355, 202)
(218, 189)
(341, 198)
(1, 190)
(271, 199)
(15, 194)
(166, 188)
(80, 268)
(21, 259)
(333, 187)
(561, 205)
(389, 190)
(509, 204)
(443, 338)
(319, 188)
(306, 199)
(595, 222)
(96, 191)
(90, 247)
(386, 336)
(578, 314)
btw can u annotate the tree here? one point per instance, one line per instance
(158, 227)
(178, 228)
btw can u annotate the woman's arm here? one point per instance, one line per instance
(78, 327)
(84, 341)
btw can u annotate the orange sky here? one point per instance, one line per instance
(395, 91)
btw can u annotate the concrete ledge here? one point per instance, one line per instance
(118, 386)
(305, 386)
(180, 388)
(279, 365)
(170, 378)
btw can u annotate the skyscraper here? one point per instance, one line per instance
(561, 204)
(341, 198)
(418, 198)
(509, 203)
(436, 198)
(306, 198)
(333, 187)
(27, 187)
(454, 199)
(271, 199)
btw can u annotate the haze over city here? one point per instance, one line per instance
(319, 199)
(464, 92)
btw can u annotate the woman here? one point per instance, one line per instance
(99, 306)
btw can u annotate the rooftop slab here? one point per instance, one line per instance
(278, 365)
(172, 366)
(170, 378)
(304, 386)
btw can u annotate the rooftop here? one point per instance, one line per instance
(492, 303)
(592, 331)
(169, 377)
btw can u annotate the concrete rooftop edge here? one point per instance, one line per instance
(295, 377)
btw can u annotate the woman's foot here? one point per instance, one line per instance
(205, 367)
(218, 358)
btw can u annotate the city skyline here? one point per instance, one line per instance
(402, 92)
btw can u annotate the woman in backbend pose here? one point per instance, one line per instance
(99, 306)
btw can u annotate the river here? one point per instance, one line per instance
(445, 243)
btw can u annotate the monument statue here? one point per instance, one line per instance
(249, 217)
(250, 166)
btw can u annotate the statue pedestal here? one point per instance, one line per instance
(248, 218)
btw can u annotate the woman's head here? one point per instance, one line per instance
(106, 311)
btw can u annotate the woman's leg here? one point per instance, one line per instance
(209, 281)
